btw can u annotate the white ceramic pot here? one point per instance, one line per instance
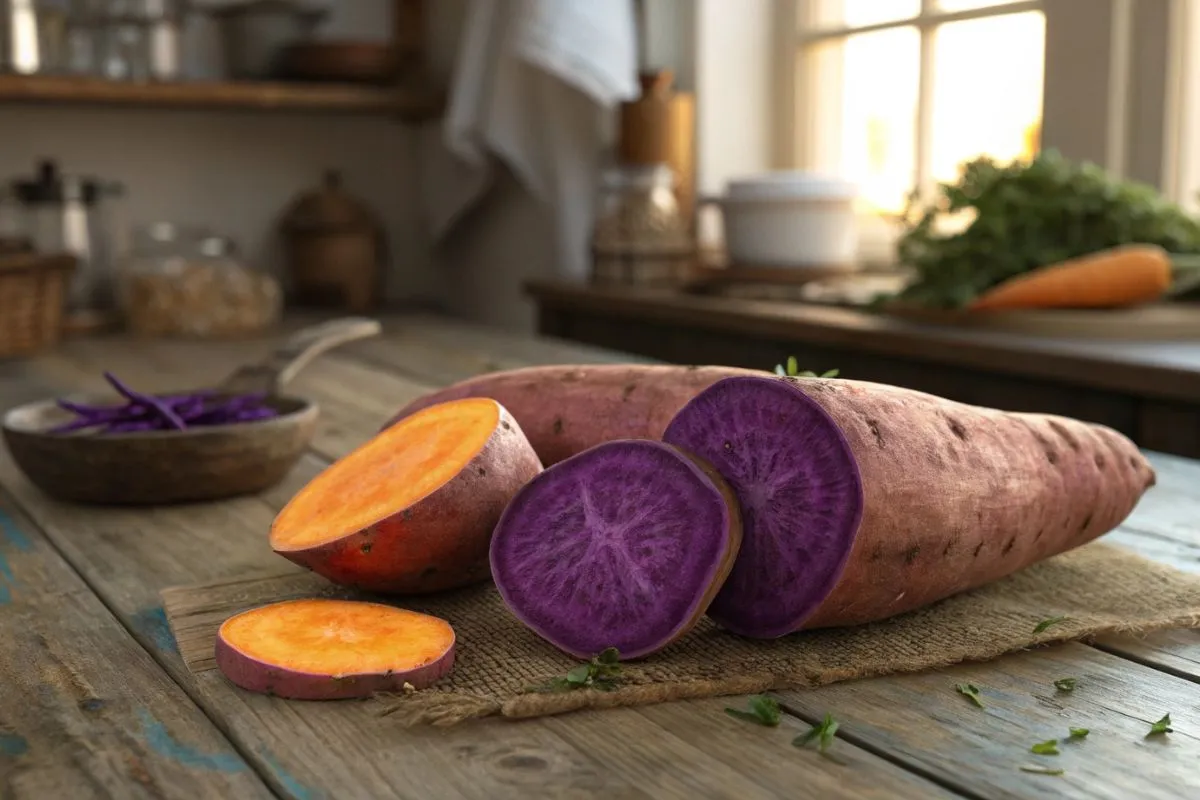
(790, 219)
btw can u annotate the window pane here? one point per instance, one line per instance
(851, 13)
(863, 120)
(987, 90)
(969, 5)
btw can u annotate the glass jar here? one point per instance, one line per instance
(189, 282)
(639, 236)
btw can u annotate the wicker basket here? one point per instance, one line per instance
(33, 290)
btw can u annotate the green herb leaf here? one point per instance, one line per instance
(580, 674)
(1065, 684)
(1079, 733)
(1162, 726)
(763, 711)
(601, 673)
(1047, 623)
(971, 692)
(1046, 748)
(1041, 770)
(792, 370)
(824, 733)
(609, 656)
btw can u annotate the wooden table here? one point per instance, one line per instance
(95, 701)
(1148, 390)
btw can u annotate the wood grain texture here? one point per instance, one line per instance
(678, 750)
(938, 732)
(84, 711)
(308, 750)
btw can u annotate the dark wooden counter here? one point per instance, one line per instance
(1148, 390)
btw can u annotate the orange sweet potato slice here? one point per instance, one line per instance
(324, 649)
(411, 510)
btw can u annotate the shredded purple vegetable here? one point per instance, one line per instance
(144, 412)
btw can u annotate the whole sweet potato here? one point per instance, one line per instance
(923, 496)
(563, 410)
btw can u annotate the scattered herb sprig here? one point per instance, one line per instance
(823, 733)
(1161, 727)
(1079, 733)
(1047, 623)
(1065, 684)
(792, 370)
(602, 673)
(762, 710)
(1041, 770)
(1046, 748)
(971, 692)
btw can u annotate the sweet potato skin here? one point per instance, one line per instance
(565, 409)
(442, 540)
(256, 676)
(1015, 488)
(957, 496)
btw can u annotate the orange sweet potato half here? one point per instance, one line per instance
(412, 510)
(322, 649)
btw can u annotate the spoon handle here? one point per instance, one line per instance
(295, 353)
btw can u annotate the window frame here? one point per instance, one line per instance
(1118, 84)
(807, 102)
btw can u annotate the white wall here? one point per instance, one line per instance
(510, 239)
(235, 172)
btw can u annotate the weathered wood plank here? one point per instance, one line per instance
(84, 711)
(922, 719)
(443, 351)
(1174, 652)
(309, 750)
(701, 734)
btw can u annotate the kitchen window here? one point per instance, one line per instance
(896, 95)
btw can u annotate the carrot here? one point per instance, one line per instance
(323, 649)
(1118, 276)
(411, 510)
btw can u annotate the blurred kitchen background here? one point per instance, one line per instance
(229, 158)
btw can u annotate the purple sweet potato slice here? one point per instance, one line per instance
(800, 493)
(623, 545)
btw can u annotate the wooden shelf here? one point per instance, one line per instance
(407, 104)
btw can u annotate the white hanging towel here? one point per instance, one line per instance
(535, 84)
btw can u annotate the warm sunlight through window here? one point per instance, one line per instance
(867, 113)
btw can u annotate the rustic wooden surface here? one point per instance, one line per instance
(1148, 390)
(95, 700)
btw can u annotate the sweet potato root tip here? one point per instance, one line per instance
(388, 473)
(323, 649)
(412, 510)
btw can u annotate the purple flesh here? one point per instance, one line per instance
(618, 546)
(144, 412)
(137, 397)
(800, 492)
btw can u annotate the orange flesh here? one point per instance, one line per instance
(387, 474)
(338, 637)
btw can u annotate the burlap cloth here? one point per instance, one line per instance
(1099, 589)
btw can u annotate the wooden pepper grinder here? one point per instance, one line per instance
(657, 128)
(335, 249)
